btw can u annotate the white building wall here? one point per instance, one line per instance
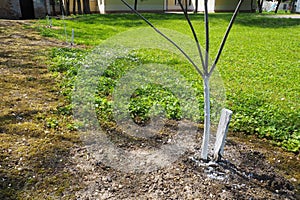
(170, 5)
(145, 5)
(210, 5)
(116, 5)
(149, 5)
(226, 5)
(297, 6)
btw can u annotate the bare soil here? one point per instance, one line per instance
(41, 159)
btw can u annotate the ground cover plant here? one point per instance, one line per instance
(260, 65)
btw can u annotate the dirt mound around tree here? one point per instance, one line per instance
(245, 172)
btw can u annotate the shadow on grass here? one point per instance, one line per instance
(125, 20)
(132, 20)
(263, 21)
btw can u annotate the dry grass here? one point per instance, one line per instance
(33, 152)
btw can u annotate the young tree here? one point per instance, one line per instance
(207, 70)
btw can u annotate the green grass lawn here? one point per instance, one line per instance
(260, 65)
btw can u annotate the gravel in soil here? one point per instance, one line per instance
(244, 173)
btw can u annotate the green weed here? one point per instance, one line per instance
(259, 67)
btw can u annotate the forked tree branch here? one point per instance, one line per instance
(204, 64)
(225, 37)
(194, 34)
(166, 37)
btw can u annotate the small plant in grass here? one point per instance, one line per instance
(283, 129)
(143, 99)
(66, 61)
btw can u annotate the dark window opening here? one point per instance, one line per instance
(27, 9)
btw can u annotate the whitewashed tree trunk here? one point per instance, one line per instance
(206, 134)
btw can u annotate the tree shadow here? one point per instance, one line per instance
(123, 20)
(257, 20)
(131, 20)
(268, 22)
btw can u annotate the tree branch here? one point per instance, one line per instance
(166, 37)
(194, 33)
(225, 37)
(206, 37)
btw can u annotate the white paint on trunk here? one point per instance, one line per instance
(206, 134)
